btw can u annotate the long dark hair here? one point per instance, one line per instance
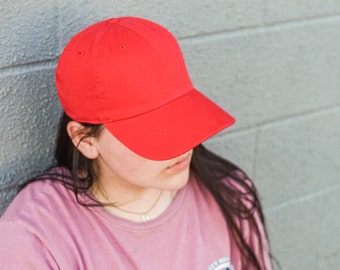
(238, 201)
(228, 184)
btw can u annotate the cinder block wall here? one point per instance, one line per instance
(275, 65)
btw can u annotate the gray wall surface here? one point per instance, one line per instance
(275, 65)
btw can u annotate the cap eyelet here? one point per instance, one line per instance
(122, 47)
(80, 53)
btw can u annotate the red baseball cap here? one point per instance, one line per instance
(129, 74)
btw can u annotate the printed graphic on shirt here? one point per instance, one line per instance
(223, 263)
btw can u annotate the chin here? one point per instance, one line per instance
(177, 181)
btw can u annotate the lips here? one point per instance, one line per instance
(182, 163)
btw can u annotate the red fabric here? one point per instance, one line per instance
(129, 74)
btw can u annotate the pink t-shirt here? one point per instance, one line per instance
(45, 228)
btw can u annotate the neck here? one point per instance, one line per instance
(138, 205)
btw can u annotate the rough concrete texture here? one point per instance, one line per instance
(183, 18)
(271, 73)
(290, 10)
(28, 31)
(275, 65)
(304, 155)
(238, 148)
(28, 117)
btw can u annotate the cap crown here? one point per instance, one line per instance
(118, 69)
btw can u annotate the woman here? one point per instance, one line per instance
(133, 188)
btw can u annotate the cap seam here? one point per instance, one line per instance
(160, 59)
(97, 73)
(98, 40)
(164, 63)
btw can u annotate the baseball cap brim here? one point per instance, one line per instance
(172, 129)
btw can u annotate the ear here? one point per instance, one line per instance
(84, 144)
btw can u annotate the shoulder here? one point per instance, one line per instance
(31, 219)
(42, 195)
(33, 252)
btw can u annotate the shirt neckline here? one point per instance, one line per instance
(174, 208)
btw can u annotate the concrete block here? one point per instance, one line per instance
(28, 31)
(292, 230)
(287, 10)
(29, 113)
(298, 157)
(328, 249)
(266, 75)
(238, 148)
(183, 18)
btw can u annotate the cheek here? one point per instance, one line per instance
(141, 169)
(117, 162)
(132, 168)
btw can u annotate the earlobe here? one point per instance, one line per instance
(85, 144)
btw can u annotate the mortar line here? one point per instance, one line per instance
(28, 67)
(258, 28)
(303, 198)
(302, 115)
(285, 119)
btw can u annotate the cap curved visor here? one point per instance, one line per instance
(172, 129)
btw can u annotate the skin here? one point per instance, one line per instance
(131, 181)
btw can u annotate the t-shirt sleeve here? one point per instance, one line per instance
(22, 249)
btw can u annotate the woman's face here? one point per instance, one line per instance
(119, 166)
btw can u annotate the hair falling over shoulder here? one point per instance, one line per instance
(239, 203)
(229, 185)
